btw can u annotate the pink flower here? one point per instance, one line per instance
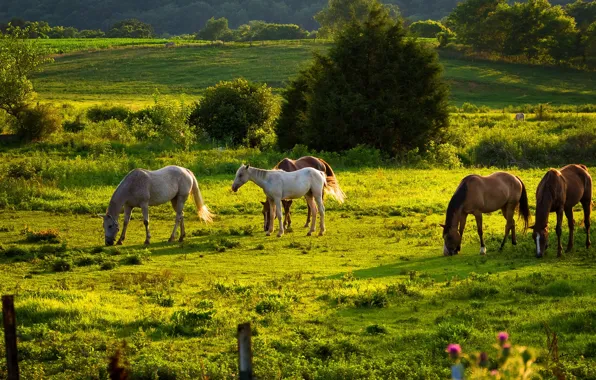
(503, 336)
(454, 349)
(506, 346)
(494, 372)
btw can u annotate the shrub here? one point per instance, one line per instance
(376, 329)
(360, 93)
(25, 169)
(49, 235)
(15, 252)
(428, 28)
(237, 112)
(37, 123)
(107, 112)
(74, 126)
(162, 120)
(108, 265)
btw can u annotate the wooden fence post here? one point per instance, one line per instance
(10, 337)
(244, 352)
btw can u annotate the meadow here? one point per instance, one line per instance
(132, 76)
(372, 299)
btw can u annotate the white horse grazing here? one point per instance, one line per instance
(143, 188)
(520, 117)
(278, 184)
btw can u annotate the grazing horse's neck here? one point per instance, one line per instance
(116, 203)
(258, 176)
(543, 206)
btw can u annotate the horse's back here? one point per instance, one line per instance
(578, 181)
(167, 182)
(492, 192)
(310, 162)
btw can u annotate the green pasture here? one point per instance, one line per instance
(132, 75)
(373, 298)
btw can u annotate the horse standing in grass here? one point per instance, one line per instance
(277, 185)
(559, 191)
(143, 188)
(290, 165)
(479, 195)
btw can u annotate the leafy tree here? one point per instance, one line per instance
(19, 58)
(237, 112)
(375, 87)
(131, 28)
(216, 29)
(428, 28)
(584, 13)
(469, 21)
(340, 13)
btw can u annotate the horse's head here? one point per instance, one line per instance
(452, 240)
(110, 228)
(540, 237)
(241, 177)
(266, 215)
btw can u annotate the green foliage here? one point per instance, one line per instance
(375, 87)
(102, 113)
(428, 28)
(49, 236)
(37, 123)
(20, 57)
(216, 29)
(62, 265)
(340, 13)
(130, 28)
(237, 112)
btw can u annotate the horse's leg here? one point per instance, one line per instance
(559, 230)
(271, 215)
(145, 210)
(321, 208)
(480, 233)
(571, 225)
(307, 212)
(288, 215)
(313, 213)
(462, 228)
(127, 213)
(278, 211)
(509, 225)
(587, 206)
(180, 216)
(176, 220)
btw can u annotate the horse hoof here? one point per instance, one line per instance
(482, 251)
(180, 240)
(268, 234)
(119, 242)
(280, 235)
(309, 233)
(146, 242)
(171, 240)
(306, 225)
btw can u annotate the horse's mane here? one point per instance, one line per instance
(457, 200)
(260, 173)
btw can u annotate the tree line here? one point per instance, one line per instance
(535, 31)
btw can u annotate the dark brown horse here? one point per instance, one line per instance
(290, 165)
(479, 195)
(559, 191)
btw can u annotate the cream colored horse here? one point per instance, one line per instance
(278, 184)
(143, 188)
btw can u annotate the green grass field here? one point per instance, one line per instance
(131, 76)
(372, 299)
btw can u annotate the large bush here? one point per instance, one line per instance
(163, 120)
(428, 28)
(37, 123)
(237, 112)
(375, 87)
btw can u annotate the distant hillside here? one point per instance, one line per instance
(188, 16)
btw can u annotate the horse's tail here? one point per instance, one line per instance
(332, 186)
(524, 208)
(202, 210)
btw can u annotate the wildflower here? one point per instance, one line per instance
(454, 350)
(503, 336)
(494, 373)
(506, 350)
(483, 362)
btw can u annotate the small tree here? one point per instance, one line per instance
(340, 13)
(428, 28)
(216, 29)
(375, 87)
(237, 112)
(19, 58)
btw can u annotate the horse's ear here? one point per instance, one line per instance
(247, 166)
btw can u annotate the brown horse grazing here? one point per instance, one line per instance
(479, 195)
(559, 191)
(290, 165)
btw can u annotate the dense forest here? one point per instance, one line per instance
(189, 16)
